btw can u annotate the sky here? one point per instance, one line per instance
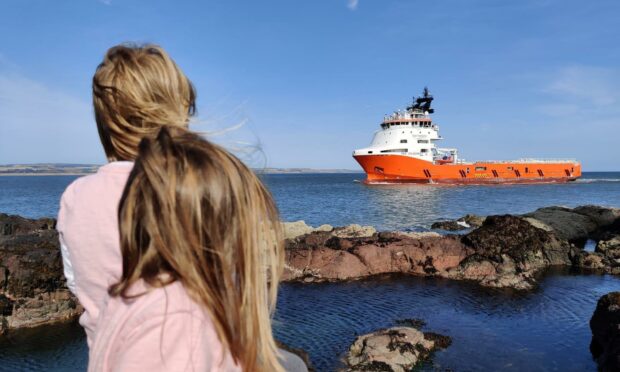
(307, 82)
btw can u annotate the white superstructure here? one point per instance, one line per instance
(410, 133)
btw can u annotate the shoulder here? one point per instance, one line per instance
(102, 187)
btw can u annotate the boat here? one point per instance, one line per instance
(405, 150)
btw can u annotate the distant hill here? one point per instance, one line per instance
(46, 169)
(56, 169)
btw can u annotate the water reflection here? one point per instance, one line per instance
(337, 199)
(491, 329)
(543, 330)
(419, 203)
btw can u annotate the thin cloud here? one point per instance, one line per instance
(106, 2)
(578, 98)
(352, 4)
(591, 85)
(40, 123)
(585, 92)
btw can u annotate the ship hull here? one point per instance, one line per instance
(406, 169)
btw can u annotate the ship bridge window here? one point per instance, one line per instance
(424, 150)
(394, 150)
(403, 141)
(422, 141)
(370, 152)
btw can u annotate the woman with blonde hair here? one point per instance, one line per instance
(202, 255)
(137, 90)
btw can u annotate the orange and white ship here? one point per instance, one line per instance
(405, 150)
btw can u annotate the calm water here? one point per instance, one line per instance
(546, 330)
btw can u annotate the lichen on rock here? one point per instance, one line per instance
(396, 349)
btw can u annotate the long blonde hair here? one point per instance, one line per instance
(195, 213)
(136, 91)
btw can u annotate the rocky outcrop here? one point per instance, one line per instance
(396, 349)
(299, 228)
(321, 256)
(605, 326)
(605, 258)
(609, 249)
(577, 224)
(296, 229)
(32, 286)
(509, 250)
(572, 224)
(466, 222)
(504, 251)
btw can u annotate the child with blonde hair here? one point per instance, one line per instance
(202, 255)
(137, 91)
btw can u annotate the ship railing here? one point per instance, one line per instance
(534, 160)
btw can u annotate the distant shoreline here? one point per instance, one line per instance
(43, 174)
(52, 169)
(86, 169)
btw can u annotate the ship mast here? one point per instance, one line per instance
(422, 103)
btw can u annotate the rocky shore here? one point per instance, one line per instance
(33, 289)
(506, 251)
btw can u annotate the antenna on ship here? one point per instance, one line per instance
(423, 103)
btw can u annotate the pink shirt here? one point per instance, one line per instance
(163, 330)
(89, 237)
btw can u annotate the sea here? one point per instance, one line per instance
(491, 330)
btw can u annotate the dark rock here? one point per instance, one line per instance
(415, 323)
(610, 248)
(605, 326)
(16, 225)
(601, 216)
(6, 306)
(530, 247)
(449, 226)
(577, 224)
(32, 285)
(590, 261)
(509, 250)
(473, 220)
(606, 256)
(441, 341)
(466, 222)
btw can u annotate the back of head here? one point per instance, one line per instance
(193, 212)
(136, 91)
